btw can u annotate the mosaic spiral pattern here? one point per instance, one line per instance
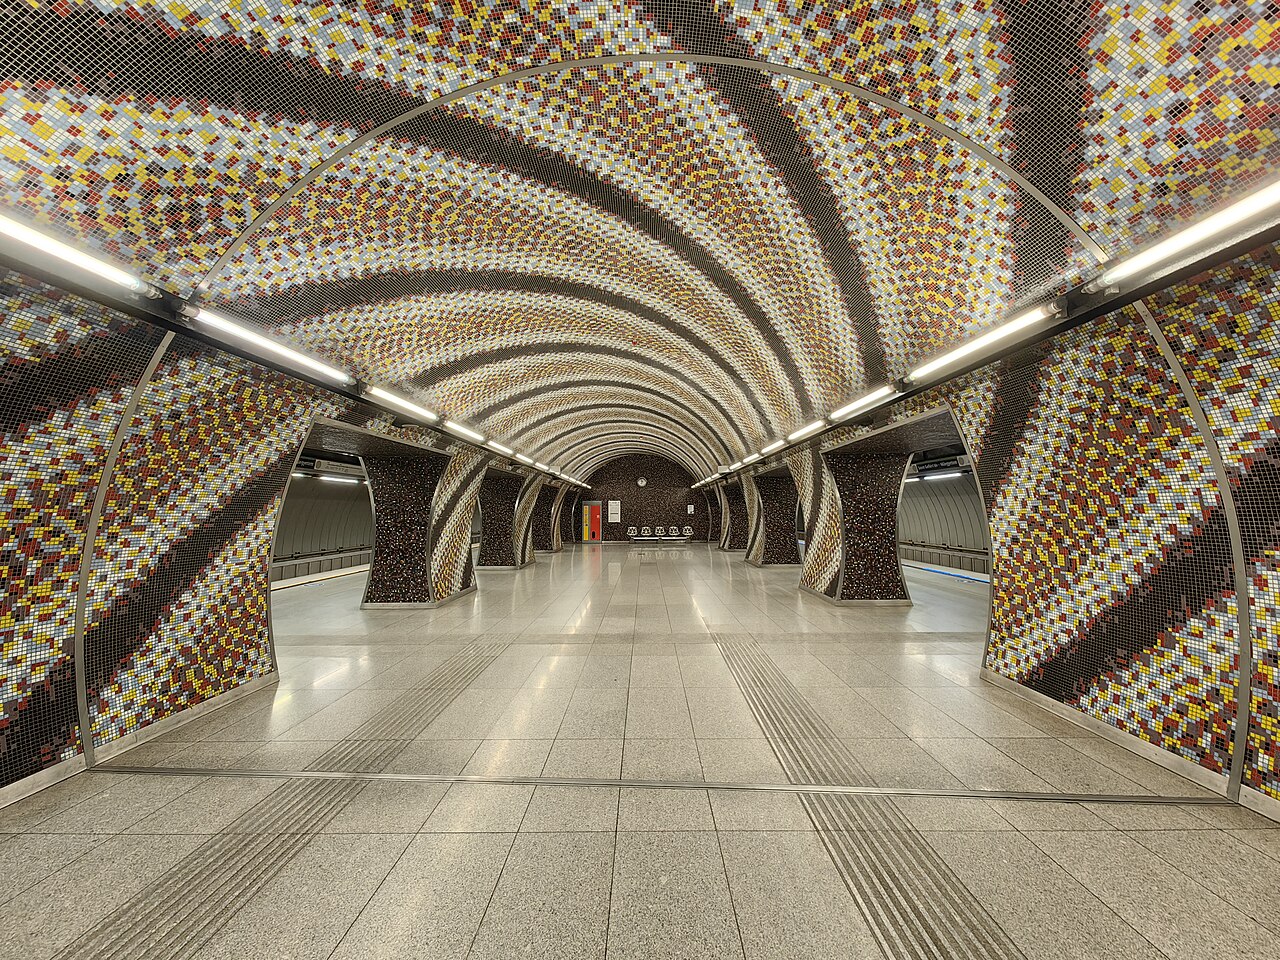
(454, 506)
(522, 524)
(820, 505)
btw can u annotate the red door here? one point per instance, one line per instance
(593, 521)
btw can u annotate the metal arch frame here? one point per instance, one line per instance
(564, 346)
(693, 444)
(548, 419)
(563, 66)
(735, 383)
(713, 412)
(622, 444)
(1244, 615)
(80, 613)
(605, 453)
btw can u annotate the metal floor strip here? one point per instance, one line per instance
(177, 913)
(798, 788)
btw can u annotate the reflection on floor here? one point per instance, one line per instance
(616, 662)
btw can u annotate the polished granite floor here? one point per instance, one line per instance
(678, 665)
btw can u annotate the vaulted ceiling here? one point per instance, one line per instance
(671, 227)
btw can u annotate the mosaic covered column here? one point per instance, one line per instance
(868, 485)
(775, 541)
(557, 519)
(823, 534)
(722, 503)
(755, 520)
(735, 538)
(498, 497)
(403, 489)
(542, 523)
(452, 567)
(569, 515)
(522, 533)
(713, 516)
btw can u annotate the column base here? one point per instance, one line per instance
(416, 604)
(853, 603)
(761, 563)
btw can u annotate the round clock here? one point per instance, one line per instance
(640, 482)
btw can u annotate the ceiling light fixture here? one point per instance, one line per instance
(48, 246)
(751, 459)
(735, 466)
(980, 344)
(464, 431)
(523, 459)
(944, 476)
(332, 479)
(867, 400)
(542, 466)
(911, 480)
(807, 429)
(1253, 205)
(269, 345)
(407, 405)
(776, 445)
(500, 448)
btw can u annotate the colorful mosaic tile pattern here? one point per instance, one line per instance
(778, 502)
(68, 369)
(1225, 328)
(735, 537)
(755, 518)
(498, 496)
(820, 505)
(177, 593)
(522, 525)
(452, 566)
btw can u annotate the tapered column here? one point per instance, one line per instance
(522, 534)
(402, 489)
(498, 497)
(542, 524)
(823, 534)
(557, 519)
(773, 541)
(452, 568)
(735, 538)
(869, 484)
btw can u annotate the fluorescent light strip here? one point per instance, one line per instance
(883, 393)
(1252, 205)
(735, 466)
(464, 431)
(48, 246)
(1020, 322)
(944, 476)
(912, 480)
(807, 429)
(270, 345)
(751, 459)
(776, 445)
(407, 405)
(500, 448)
(523, 459)
(333, 479)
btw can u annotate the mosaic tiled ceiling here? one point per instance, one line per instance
(712, 252)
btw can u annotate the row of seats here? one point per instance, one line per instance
(665, 533)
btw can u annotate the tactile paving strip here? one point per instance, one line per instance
(176, 914)
(914, 905)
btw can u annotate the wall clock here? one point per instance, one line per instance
(641, 481)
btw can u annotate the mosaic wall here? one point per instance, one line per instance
(498, 496)
(69, 371)
(726, 515)
(663, 501)
(571, 519)
(403, 489)
(177, 599)
(755, 518)
(761, 247)
(522, 529)
(712, 501)
(1112, 574)
(736, 510)
(777, 541)
(1225, 329)
(820, 507)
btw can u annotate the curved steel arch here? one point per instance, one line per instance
(426, 283)
(548, 419)
(533, 393)
(461, 366)
(692, 441)
(633, 443)
(694, 449)
(562, 66)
